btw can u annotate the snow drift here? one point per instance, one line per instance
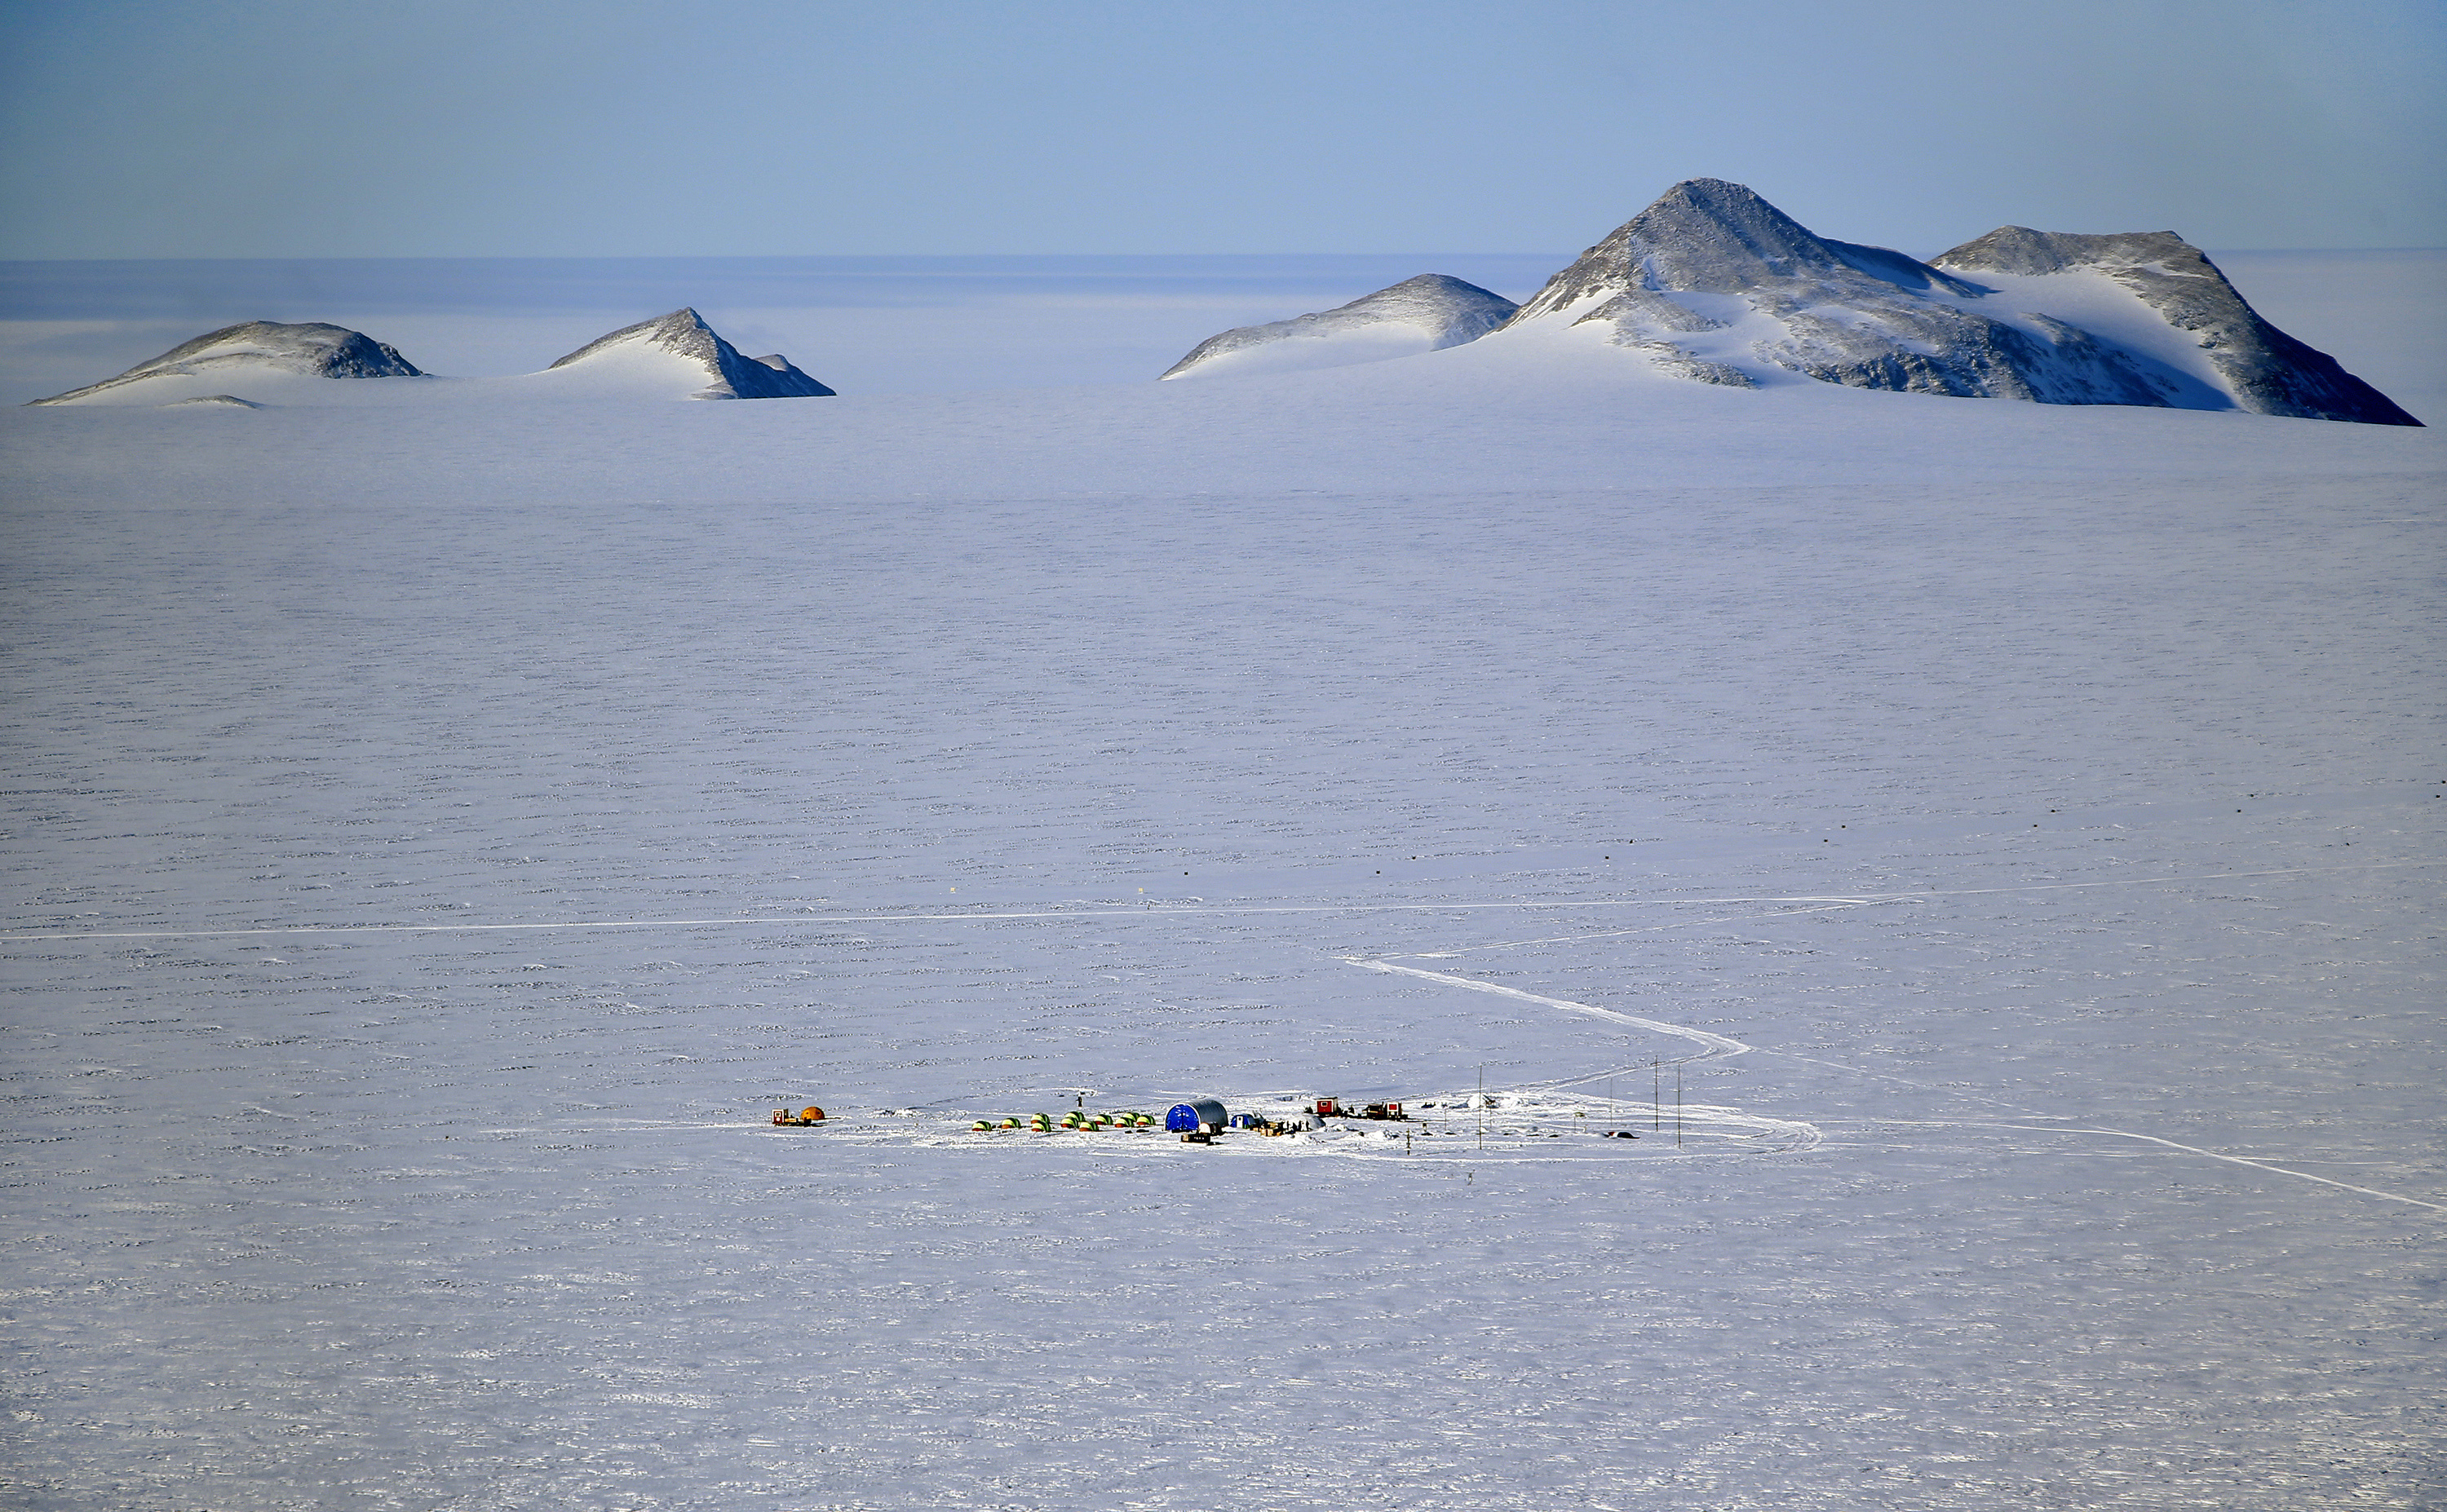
(1715, 284)
(1426, 313)
(253, 350)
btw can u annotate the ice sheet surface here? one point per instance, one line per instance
(439, 837)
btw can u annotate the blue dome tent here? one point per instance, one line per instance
(1199, 1115)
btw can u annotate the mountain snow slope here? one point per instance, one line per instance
(253, 351)
(1426, 313)
(1715, 284)
(681, 348)
(2152, 292)
(673, 356)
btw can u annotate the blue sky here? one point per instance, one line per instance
(519, 128)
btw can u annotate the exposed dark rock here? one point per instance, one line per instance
(2267, 371)
(313, 349)
(1867, 317)
(729, 375)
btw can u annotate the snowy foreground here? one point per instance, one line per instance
(440, 836)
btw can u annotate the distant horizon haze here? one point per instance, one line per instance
(545, 128)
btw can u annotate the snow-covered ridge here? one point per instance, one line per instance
(676, 355)
(1713, 283)
(1426, 313)
(2262, 369)
(684, 335)
(313, 349)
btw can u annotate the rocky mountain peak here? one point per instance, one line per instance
(684, 333)
(2263, 369)
(2021, 250)
(1707, 236)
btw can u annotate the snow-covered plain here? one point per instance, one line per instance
(440, 835)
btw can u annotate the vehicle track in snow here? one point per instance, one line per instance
(1791, 1135)
(1710, 1045)
(2100, 1131)
(1162, 910)
(1718, 1046)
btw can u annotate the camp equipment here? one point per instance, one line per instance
(1199, 1115)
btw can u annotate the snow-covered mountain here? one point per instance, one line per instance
(673, 356)
(1713, 283)
(681, 346)
(2194, 319)
(256, 348)
(1424, 314)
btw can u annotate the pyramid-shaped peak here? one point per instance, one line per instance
(1716, 207)
(683, 318)
(1709, 233)
(683, 333)
(683, 330)
(1710, 236)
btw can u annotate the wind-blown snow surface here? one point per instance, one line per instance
(2019, 785)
